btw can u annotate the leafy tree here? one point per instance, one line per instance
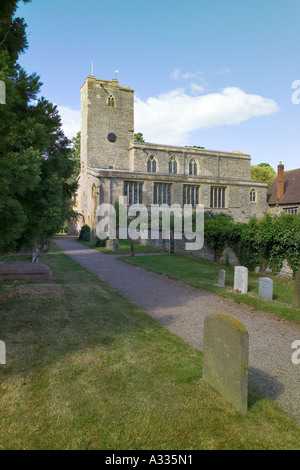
(194, 147)
(75, 154)
(35, 163)
(138, 137)
(263, 172)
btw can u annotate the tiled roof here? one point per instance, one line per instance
(291, 193)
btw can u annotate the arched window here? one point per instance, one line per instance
(151, 164)
(111, 101)
(252, 195)
(173, 166)
(193, 167)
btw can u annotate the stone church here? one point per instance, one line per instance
(113, 164)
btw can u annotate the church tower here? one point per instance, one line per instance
(107, 124)
(106, 132)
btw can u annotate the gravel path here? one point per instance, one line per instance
(181, 309)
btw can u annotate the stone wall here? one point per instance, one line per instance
(209, 163)
(178, 246)
(110, 185)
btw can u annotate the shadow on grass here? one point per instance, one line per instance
(263, 385)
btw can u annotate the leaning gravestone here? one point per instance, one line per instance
(225, 359)
(240, 279)
(221, 279)
(296, 299)
(266, 288)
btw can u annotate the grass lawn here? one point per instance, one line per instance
(87, 369)
(124, 247)
(199, 273)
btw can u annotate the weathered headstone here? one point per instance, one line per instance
(296, 299)
(2, 93)
(266, 288)
(2, 353)
(240, 279)
(132, 250)
(112, 245)
(286, 271)
(221, 279)
(225, 359)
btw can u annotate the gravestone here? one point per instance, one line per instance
(109, 244)
(286, 271)
(112, 245)
(296, 299)
(24, 270)
(266, 288)
(221, 279)
(132, 250)
(240, 279)
(225, 359)
(2, 353)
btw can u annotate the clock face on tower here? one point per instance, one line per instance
(112, 137)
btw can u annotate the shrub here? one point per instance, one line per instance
(260, 242)
(85, 233)
(217, 232)
(100, 243)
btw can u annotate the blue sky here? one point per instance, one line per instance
(216, 74)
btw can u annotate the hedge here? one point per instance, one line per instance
(260, 242)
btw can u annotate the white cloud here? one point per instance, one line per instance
(170, 117)
(70, 120)
(224, 70)
(175, 74)
(197, 88)
(190, 75)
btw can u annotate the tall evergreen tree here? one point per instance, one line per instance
(35, 156)
(75, 155)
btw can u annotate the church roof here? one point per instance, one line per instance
(291, 193)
